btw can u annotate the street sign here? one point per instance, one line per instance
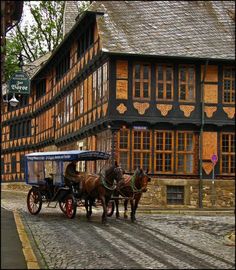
(214, 159)
(19, 83)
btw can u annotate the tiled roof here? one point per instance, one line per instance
(70, 13)
(202, 29)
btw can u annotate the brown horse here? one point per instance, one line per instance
(131, 188)
(100, 187)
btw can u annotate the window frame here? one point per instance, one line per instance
(164, 151)
(230, 154)
(184, 152)
(124, 150)
(142, 81)
(165, 82)
(186, 83)
(231, 90)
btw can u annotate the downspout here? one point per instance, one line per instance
(201, 135)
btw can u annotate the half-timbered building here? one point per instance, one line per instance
(152, 82)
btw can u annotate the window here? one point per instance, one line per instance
(163, 152)
(22, 163)
(175, 194)
(94, 89)
(85, 41)
(141, 81)
(186, 83)
(228, 153)
(105, 82)
(40, 89)
(81, 98)
(185, 152)
(13, 164)
(63, 66)
(229, 85)
(164, 82)
(141, 149)
(124, 147)
(2, 166)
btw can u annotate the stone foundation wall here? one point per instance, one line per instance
(217, 194)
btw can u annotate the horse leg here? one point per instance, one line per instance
(104, 205)
(126, 209)
(86, 207)
(117, 207)
(132, 214)
(90, 206)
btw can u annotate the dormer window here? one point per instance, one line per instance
(85, 41)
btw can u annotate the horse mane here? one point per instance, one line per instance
(109, 170)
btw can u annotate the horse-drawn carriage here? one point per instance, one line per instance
(49, 176)
(45, 172)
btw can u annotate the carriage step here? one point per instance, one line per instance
(49, 206)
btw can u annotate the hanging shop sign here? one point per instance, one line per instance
(19, 83)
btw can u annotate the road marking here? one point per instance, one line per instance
(30, 257)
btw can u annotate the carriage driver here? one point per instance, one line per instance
(73, 175)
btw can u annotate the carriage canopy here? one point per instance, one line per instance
(77, 155)
(41, 165)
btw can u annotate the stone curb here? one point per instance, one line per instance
(229, 239)
(30, 257)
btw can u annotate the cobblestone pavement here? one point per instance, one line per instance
(157, 241)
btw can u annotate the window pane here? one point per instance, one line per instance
(137, 140)
(159, 160)
(137, 71)
(183, 74)
(159, 141)
(160, 91)
(168, 91)
(168, 162)
(146, 157)
(169, 73)
(137, 89)
(180, 167)
(182, 91)
(189, 142)
(168, 143)
(124, 139)
(180, 142)
(124, 160)
(145, 72)
(160, 73)
(145, 90)
(137, 162)
(146, 140)
(189, 163)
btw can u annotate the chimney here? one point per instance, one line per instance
(71, 11)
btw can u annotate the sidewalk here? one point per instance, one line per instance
(12, 256)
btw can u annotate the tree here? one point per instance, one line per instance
(33, 40)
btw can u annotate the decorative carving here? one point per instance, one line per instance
(187, 109)
(122, 69)
(210, 93)
(121, 108)
(207, 167)
(209, 110)
(209, 144)
(141, 107)
(164, 108)
(121, 89)
(230, 111)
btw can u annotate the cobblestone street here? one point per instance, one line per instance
(156, 241)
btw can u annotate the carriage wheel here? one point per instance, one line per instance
(62, 206)
(70, 206)
(34, 201)
(110, 208)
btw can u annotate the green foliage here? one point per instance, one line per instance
(35, 38)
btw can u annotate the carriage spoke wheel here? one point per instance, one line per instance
(110, 208)
(70, 206)
(62, 206)
(34, 201)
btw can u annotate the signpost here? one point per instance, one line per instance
(214, 159)
(19, 83)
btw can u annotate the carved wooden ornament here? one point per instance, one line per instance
(141, 107)
(207, 167)
(187, 109)
(164, 108)
(209, 110)
(121, 108)
(230, 111)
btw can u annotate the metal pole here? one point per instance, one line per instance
(201, 136)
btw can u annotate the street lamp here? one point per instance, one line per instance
(13, 101)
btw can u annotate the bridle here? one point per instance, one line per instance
(114, 184)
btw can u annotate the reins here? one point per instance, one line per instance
(105, 183)
(132, 184)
